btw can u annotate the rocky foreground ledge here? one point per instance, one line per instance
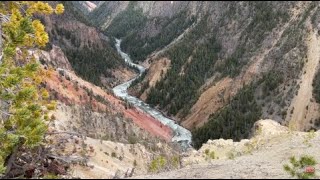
(261, 156)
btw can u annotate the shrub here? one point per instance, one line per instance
(175, 161)
(212, 155)
(113, 154)
(302, 168)
(231, 155)
(158, 164)
(207, 151)
(209, 154)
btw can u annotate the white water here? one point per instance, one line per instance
(181, 135)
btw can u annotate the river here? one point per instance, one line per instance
(181, 135)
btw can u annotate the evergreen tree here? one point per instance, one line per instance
(24, 104)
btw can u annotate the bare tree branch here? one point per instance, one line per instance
(11, 159)
(69, 159)
(1, 49)
(65, 132)
(3, 19)
(3, 112)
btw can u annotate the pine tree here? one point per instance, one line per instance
(24, 104)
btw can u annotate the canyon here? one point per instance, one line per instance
(142, 82)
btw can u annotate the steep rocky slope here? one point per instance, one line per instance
(303, 100)
(262, 156)
(104, 135)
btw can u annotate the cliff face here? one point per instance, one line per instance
(55, 58)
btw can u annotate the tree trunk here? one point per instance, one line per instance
(11, 160)
(13, 156)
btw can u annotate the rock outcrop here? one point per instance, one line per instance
(261, 156)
